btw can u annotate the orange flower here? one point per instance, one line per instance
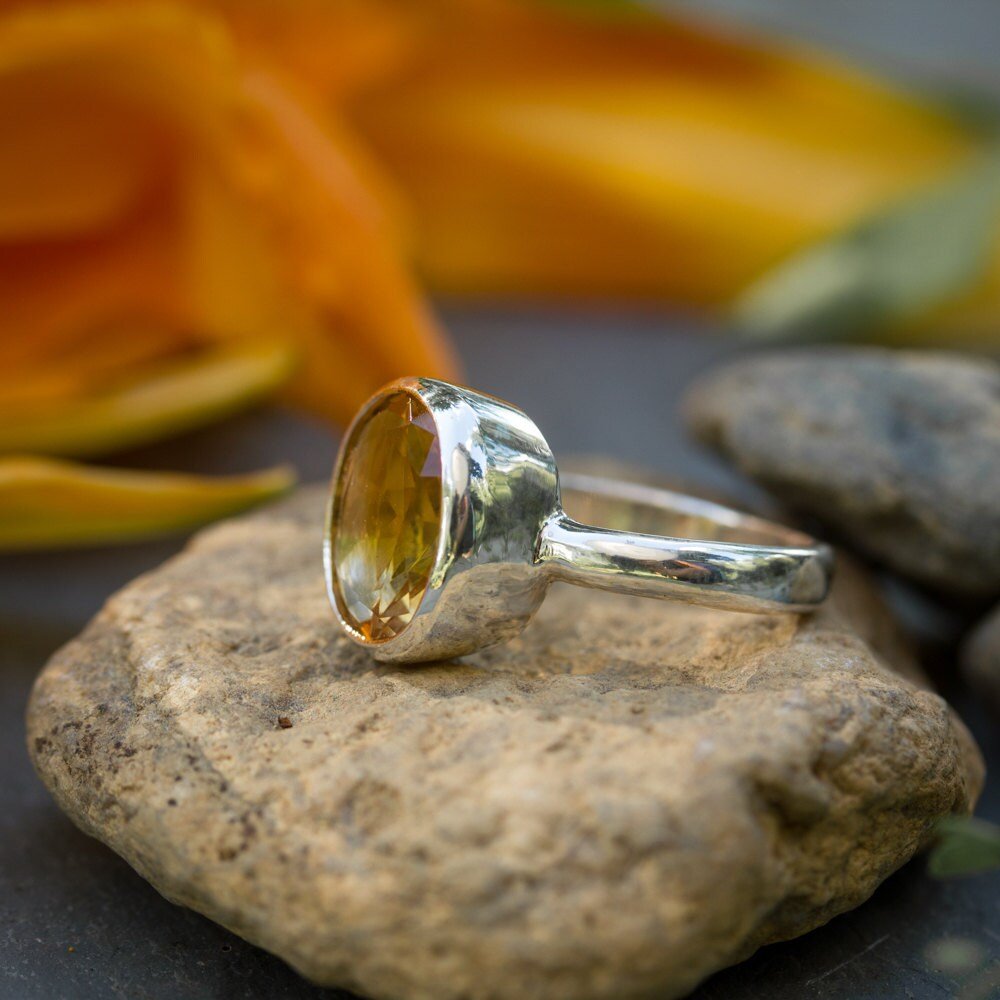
(198, 198)
(160, 189)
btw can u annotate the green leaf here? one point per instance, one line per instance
(888, 269)
(967, 846)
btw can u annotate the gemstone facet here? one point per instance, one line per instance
(387, 517)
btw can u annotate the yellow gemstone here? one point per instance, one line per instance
(388, 517)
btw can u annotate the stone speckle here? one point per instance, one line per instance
(625, 799)
(898, 451)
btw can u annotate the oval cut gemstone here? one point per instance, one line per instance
(388, 517)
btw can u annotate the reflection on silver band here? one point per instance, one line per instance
(668, 545)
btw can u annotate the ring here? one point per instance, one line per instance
(446, 526)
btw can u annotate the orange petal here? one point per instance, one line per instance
(336, 237)
(89, 363)
(335, 47)
(148, 403)
(98, 98)
(205, 201)
(547, 151)
(52, 292)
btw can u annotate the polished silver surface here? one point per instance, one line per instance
(506, 536)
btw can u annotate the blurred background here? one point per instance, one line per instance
(224, 224)
(207, 205)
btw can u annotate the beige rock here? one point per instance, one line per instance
(629, 797)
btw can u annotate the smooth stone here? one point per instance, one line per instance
(981, 658)
(899, 452)
(629, 797)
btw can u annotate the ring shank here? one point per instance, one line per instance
(658, 543)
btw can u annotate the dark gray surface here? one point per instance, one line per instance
(76, 922)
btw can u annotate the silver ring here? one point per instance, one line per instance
(446, 527)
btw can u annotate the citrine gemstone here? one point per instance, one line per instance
(387, 517)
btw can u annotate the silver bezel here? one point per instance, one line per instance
(499, 486)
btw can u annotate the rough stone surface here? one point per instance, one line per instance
(981, 658)
(627, 798)
(898, 451)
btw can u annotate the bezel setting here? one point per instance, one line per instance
(499, 485)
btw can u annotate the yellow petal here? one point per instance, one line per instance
(46, 503)
(164, 400)
(549, 152)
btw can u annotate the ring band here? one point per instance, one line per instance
(446, 526)
(658, 543)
